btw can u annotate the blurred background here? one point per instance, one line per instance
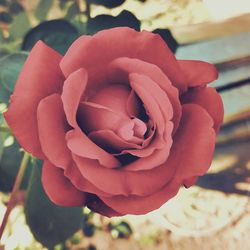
(215, 213)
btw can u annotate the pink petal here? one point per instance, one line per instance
(124, 182)
(73, 90)
(94, 53)
(114, 97)
(82, 184)
(120, 68)
(210, 100)
(92, 117)
(108, 139)
(95, 204)
(82, 146)
(52, 127)
(59, 189)
(198, 73)
(159, 109)
(191, 155)
(153, 160)
(40, 77)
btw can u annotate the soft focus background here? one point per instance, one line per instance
(214, 214)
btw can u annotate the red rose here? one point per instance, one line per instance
(119, 122)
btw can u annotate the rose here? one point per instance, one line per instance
(120, 124)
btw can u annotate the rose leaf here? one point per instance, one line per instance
(101, 22)
(49, 223)
(107, 3)
(58, 34)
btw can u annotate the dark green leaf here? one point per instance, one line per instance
(10, 67)
(20, 25)
(50, 224)
(59, 34)
(15, 8)
(101, 22)
(43, 8)
(5, 17)
(167, 36)
(107, 3)
(9, 165)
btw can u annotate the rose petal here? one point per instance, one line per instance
(52, 127)
(40, 77)
(142, 205)
(95, 204)
(94, 53)
(93, 117)
(110, 141)
(154, 99)
(59, 189)
(120, 68)
(114, 97)
(82, 146)
(153, 160)
(198, 73)
(209, 99)
(125, 182)
(73, 90)
(82, 184)
(188, 160)
(135, 107)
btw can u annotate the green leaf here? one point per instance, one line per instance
(101, 22)
(43, 8)
(107, 3)
(10, 160)
(10, 67)
(50, 224)
(59, 34)
(167, 36)
(20, 25)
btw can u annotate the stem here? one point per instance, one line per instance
(15, 189)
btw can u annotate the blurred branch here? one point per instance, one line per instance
(15, 189)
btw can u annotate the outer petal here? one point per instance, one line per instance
(73, 90)
(191, 155)
(40, 77)
(94, 53)
(198, 73)
(209, 99)
(52, 127)
(59, 188)
(75, 176)
(125, 182)
(95, 204)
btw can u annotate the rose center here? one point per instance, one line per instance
(112, 117)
